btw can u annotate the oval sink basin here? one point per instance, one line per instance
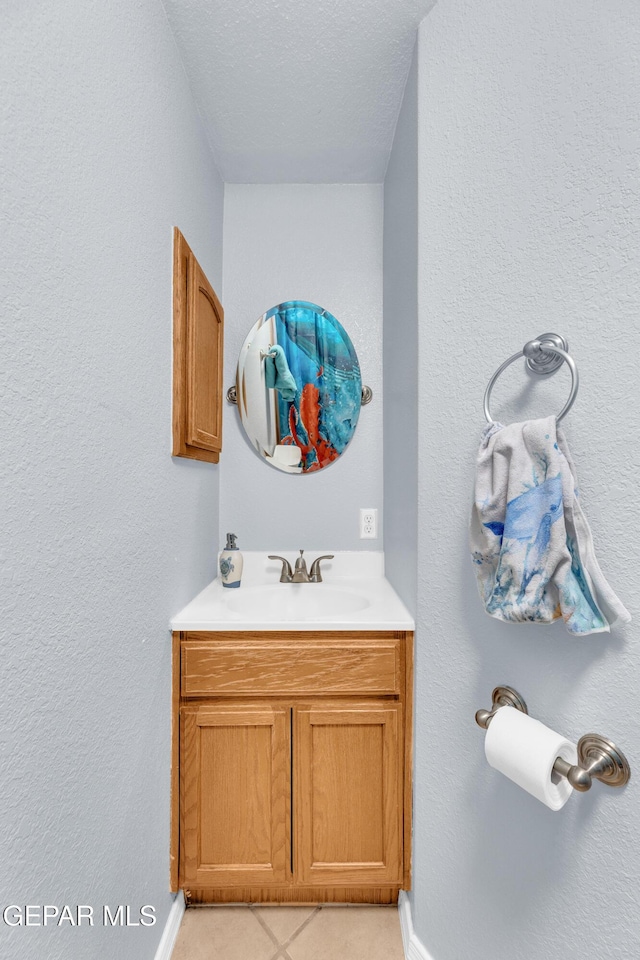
(295, 601)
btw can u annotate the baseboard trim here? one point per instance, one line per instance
(413, 948)
(171, 927)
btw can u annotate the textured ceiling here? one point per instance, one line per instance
(303, 91)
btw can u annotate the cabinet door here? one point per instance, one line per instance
(347, 792)
(235, 795)
(204, 364)
(197, 359)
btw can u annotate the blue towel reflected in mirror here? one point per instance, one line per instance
(277, 374)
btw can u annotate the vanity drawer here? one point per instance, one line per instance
(237, 665)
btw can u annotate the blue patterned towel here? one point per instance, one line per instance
(530, 541)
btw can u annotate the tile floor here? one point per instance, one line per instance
(258, 932)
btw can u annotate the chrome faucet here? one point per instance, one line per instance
(301, 574)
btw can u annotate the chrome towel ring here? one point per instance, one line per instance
(544, 356)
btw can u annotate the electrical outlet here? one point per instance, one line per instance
(368, 523)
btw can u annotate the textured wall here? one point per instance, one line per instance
(105, 536)
(400, 350)
(529, 220)
(298, 92)
(321, 243)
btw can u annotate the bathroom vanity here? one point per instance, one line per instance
(291, 772)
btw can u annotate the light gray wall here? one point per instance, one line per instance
(400, 350)
(529, 220)
(322, 243)
(105, 536)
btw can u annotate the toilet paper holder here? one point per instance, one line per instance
(598, 757)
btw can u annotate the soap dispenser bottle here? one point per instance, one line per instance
(231, 563)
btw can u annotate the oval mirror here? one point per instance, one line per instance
(299, 388)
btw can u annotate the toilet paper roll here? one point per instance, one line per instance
(524, 750)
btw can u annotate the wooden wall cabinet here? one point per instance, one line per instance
(198, 325)
(291, 766)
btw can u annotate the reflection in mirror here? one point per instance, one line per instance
(299, 388)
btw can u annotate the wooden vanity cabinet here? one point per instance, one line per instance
(291, 773)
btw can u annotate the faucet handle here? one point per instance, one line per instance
(286, 575)
(315, 575)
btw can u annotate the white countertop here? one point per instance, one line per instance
(354, 595)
